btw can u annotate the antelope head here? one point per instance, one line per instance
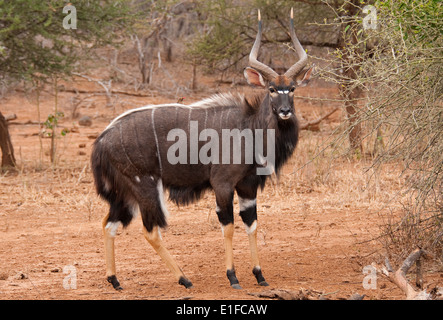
(281, 87)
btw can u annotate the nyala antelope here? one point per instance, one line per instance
(131, 168)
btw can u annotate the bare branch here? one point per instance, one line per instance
(107, 87)
(312, 124)
(399, 277)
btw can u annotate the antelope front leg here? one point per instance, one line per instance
(228, 234)
(226, 217)
(256, 270)
(248, 212)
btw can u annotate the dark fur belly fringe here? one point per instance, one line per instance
(187, 194)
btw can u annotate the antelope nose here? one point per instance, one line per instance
(285, 110)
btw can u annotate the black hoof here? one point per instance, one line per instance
(113, 280)
(233, 281)
(259, 276)
(185, 282)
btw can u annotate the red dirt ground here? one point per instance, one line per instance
(315, 225)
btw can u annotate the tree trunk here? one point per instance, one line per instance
(194, 77)
(8, 159)
(355, 132)
(349, 90)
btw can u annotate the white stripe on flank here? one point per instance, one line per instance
(221, 119)
(156, 142)
(189, 119)
(227, 118)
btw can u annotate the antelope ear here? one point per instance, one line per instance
(303, 77)
(254, 77)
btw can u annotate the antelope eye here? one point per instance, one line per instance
(272, 90)
(292, 89)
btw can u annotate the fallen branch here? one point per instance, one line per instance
(10, 117)
(301, 294)
(399, 277)
(313, 125)
(282, 294)
(29, 122)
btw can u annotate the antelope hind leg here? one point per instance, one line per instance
(109, 232)
(154, 238)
